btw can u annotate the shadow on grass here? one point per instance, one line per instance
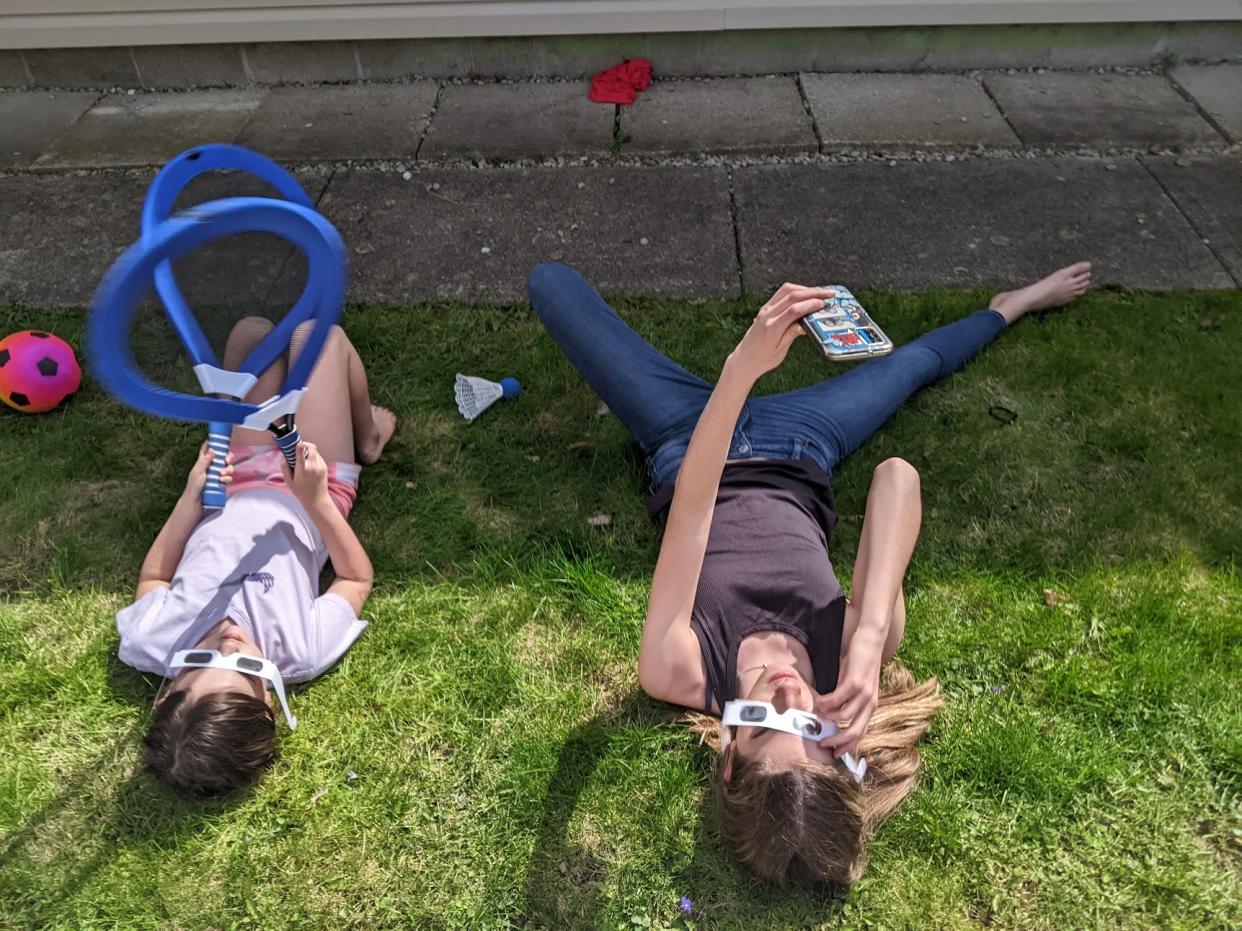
(564, 880)
(721, 888)
(107, 811)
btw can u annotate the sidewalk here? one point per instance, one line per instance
(702, 188)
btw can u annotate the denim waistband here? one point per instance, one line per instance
(665, 462)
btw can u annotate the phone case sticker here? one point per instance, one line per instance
(845, 330)
(821, 325)
(844, 339)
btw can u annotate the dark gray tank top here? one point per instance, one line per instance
(766, 568)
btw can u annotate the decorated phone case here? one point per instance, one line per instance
(843, 331)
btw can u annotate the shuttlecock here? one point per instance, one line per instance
(475, 395)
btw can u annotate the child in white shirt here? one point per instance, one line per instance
(244, 581)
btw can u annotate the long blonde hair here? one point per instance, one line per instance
(810, 823)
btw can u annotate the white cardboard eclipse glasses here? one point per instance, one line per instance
(746, 713)
(238, 662)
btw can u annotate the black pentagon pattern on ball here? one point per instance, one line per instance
(38, 334)
(4, 358)
(19, 399)
(47, 366)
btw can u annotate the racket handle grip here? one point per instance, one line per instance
(214, 492)
(288, 445)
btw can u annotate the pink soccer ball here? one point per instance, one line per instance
(37, 371)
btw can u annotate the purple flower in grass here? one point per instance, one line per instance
(686, 906)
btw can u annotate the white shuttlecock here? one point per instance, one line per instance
(475, 395)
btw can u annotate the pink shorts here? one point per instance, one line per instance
(260, 467)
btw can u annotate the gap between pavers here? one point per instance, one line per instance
(474, 235)
(518, 121)
(1208, 189)
(718, 115)
(905, 110)
(149, 129)
(252, 269)
(186, 66)
(1218, 90)
(977, 223)
(30, 121)
(308, 124)
(1086, 108)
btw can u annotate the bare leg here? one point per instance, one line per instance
(336, 413)
(245, 335)
(1061, 287)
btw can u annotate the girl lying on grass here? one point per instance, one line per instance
(744, 602)
(228, 601)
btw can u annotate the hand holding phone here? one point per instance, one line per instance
(843, 331)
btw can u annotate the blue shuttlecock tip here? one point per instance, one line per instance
(511, 387)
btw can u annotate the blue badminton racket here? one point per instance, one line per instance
(148, 263)
(158, 206)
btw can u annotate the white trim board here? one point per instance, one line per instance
(86, 23)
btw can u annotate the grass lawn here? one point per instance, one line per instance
(483, 758)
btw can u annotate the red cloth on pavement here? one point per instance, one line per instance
(621, 83)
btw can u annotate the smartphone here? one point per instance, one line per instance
(843, 331)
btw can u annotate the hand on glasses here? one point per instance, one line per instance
(748, 713)
(856, 696)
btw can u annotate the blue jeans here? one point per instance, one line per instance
(659, 402)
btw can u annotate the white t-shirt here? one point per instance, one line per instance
(257, 561)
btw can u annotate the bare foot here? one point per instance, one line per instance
(385, 421)
(1061, 287)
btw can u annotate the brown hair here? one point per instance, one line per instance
(810, 823)
(217, 744)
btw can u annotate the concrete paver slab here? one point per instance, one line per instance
(719, 115)
(401, 59)
(30, 121)
(1209, 192)
(150, 128)
(518, 120)
(904, 110)
(81, 67)
(59, 234)
(1218, 90)
(212, 65)
(12, 69)
(1077, 108)
(312, 123)
(977, 223)
(252, 269)
(475, 235)
(302, 62)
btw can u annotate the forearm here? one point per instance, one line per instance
(349, 559)
(890, 532)
(165, 553)
(708, 451)
(694, 500)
